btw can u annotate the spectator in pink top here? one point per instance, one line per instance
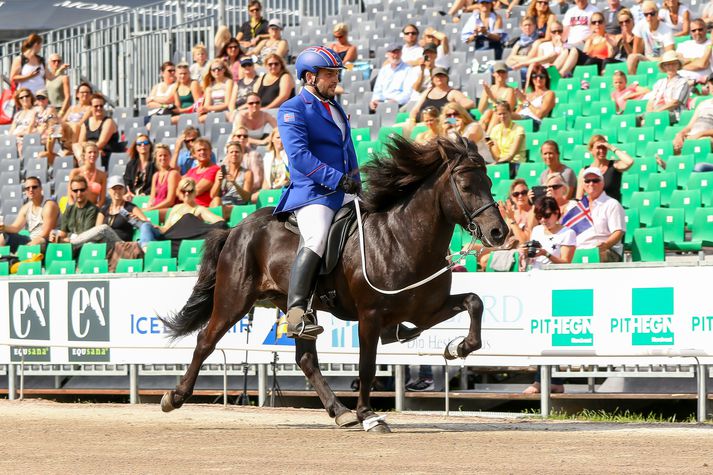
(623, 92)
(204, 172)
(164, 181)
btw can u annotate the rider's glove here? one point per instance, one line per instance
(350, 185)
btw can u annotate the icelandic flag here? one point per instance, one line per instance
(579, 218)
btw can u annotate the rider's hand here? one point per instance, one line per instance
(350, 185)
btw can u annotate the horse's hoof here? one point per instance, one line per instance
(451, 352)
(376, 424)
(346, 419)
(167, 402)
(380, 428)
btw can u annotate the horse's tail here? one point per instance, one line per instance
(197, 310)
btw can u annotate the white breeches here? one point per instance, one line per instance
(314, 222)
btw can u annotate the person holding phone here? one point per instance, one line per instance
(233, 183)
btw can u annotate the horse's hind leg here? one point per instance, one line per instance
(369, 330)
(306, 357)
(224, 316)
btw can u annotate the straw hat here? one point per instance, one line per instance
(670, 57)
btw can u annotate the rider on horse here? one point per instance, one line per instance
(324, 174)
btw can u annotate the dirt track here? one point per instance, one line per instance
(47, 437)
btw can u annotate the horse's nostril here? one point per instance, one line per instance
(496, 233)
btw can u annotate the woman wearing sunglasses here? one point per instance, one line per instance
(558, 189)
(233, 183)
(140, 170)
(625, 40)
(244, 86)
(345, 50)
(96, 179)
(539, 102)
(611, 169)
(100, 129)
(438, 95)
(558, 242)
(231, 54)
(78, 113)
(275, 86)
(542, 16)
(600, 47)
(257, 122)
(218, 87)
(457, 122)
(25, 119)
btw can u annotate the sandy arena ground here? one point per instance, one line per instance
(47, 437)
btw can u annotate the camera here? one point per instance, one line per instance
(531, 248)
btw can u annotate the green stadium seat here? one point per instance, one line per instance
(30, 268)
(603, 108)
(27, 251)
(587, 124)
(585, 72)
(456, 240)
(162, 265)
(603, 84)
(621, 124)
(4, 268)
(514, 268)
(157, 250)
(647, 68)
(498, 172)
(153, 216)
(704, 183)
(611, 68)
(686, 116)
(189, 249)
(533, 143)
(268, 198)
(629, 186)
(702, 226)
(4, 251)
(631, 217)
(664, 183)
(239, 213)
(682, 166)
(668, 134)
(92, 251)
(364, 151)
(644, 166)
(580, 152)
(587, 98)
(386, 133)
(501, 190)
(129, 266)
(635, 106)
(417, 130)
(555, 77)
(401, 117)
(61, 267)
(569, 84)
(568, 110)
(662, 149)
(142, 201)
(646, 202)
(696, 147)
(552, 126)
(526, 124)
(567, 140)
(672, 222)
(530, 172)
(688, 201)
(94, 266)
(648, 245)
(471, 263)
(586, 256)
(361, 134)
(658, 120)
(640, 137)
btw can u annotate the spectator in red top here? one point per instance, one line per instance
(204, 172)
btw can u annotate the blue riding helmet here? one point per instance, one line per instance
(317, 57)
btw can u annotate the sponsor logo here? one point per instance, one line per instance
(651, 321)
(345, 334)
(29, 318)
(571, 321)
(88, 319)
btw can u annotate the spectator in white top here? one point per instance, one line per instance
(608, 219)
(412, 52)
(576, 23)
(700, 126)
(394, 82)
(636, 11)
(557, 242)
(677, 16)
(696, 54)
(651, 38)
(672, 92)
(484, 29)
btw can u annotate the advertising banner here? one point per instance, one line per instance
(597, 313)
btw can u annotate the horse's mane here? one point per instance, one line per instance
(392, 177)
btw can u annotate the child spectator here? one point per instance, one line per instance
(200, 61)
(622, 93)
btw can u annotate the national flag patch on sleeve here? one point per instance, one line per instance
(288, 117)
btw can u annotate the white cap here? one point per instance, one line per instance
(593, 171)
(115, 180)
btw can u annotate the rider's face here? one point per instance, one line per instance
(326, 82)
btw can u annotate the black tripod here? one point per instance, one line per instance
(275, 391)
(244, 399)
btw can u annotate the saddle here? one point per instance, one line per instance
(343, 224)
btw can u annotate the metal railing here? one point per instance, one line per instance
(121, 53)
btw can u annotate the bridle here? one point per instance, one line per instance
(472, 227)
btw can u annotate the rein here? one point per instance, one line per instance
(473, 229)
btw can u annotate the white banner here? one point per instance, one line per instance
(573, 314)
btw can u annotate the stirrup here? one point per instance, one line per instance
(301, 324)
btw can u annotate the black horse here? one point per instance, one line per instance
(416, 195)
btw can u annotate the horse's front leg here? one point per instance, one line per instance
(369, 330)
(306, 357)
(472, 342)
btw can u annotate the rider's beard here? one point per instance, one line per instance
(324, 91)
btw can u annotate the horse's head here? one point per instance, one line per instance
(466, 197)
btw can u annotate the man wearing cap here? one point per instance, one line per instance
(45, 111)
(696, 53)
(607, 217)
(38, 215)
(670, 93)
(423, 80)
(394, 82)
(253, 30)
(273, 44)
(652, 37)
(244, 86)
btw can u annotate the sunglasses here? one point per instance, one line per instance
(649, 13)
(143, 142)
(410, 33)
(555, 186)
(592, 180)
(41, 98)
(26, 96)
(544, 216)
(452, 114)
(556, 32)
(539, 76)
(624, 21)
(542, 2)
(253, 103)
(217, 69)
(696, 30)
(517, 194)
(271, 65)
(31, 187)
(100, 106)
(597, 22)
(79, 190)
(241, 136)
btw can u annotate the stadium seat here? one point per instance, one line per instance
(658, 120)
(142, 201)
(152, 216)
(189, 249)
(704, 183)
(364, 151)
(629, 185)
(533, 143)
(91, 251)
(552, 126)
(268, 198)
(61, 267)
(501, 190)
(569, 110)
(603, 107)
(156, 250)
(702, 226)
(646, 202)
(456, 240)
(514, 268)
(664, 183)
(4, 268)
(526, 124)
(26, 251)
(586, 256)
(386, 133)
(635, 106)
(568, 139)
(688, 201)
(238, 213)
(94, 266)
(30, 268)
(57, 252)
(4, 251)
(696, 147)
(640, 137)
(586, 98)
(644, 166)
(585, 72)
(361, 134)
(129, 266)
(682, 166)
(587, 124)
(648, 245)
(530, 172)
(161, 265)
(498, 172)
(671, 221)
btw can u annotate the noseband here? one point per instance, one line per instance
(472, 227)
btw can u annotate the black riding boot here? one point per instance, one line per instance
(302, 280)
(400, 333)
